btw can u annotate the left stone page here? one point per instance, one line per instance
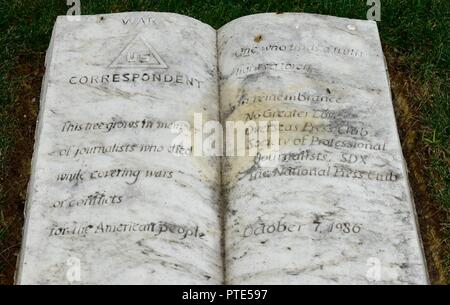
(113, 198)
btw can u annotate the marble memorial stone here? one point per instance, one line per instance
(113, 200)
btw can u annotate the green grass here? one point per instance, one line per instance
(417, 31)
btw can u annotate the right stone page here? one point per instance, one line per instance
(334, 205)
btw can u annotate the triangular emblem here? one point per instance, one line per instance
(138, 53)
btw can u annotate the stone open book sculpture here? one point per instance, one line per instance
(112, 199)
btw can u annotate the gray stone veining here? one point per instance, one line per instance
(109, 202)
(335, 208)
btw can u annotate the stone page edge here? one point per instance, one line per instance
(37, 135)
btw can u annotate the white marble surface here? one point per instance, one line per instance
(302, 221)
(325, 213)
(184, 194)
